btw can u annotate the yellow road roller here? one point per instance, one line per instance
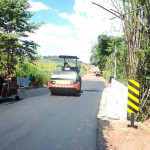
(67, 81)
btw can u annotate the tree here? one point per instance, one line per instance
(100, 51)
(14, 21)
(104, 48)
(136, 21)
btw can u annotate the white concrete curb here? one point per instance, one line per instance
(113, 103)
(102, 108)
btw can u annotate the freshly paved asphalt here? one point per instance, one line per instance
(43, 122)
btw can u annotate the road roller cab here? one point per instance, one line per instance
(67, 81)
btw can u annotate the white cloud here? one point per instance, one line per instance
(54, 30)
(37, 6)
(56, 40)
(90, 20)
(87, 22)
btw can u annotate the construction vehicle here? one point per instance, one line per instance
(98, 73)
(67, 81)
(8, 87)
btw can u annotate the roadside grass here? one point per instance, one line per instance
(42, 71)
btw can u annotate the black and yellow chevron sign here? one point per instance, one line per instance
(133, 96)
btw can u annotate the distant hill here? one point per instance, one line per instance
(57, 59)
(52, 58)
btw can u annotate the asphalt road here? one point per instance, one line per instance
(43, 122)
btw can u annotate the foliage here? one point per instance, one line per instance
(133, 54)
(42, 71)
(83, 69)
(105, 52)
(137, 32)
(135, 57)
(100, 51)
(14, 21)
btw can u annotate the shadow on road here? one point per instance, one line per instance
(101, 143)
(92, 90)
(7, 101)
(70, 95)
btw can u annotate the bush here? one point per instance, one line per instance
(120, 66)
(83, 69)
(42, 71)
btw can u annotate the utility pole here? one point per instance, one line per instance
(115, 63)
(1, 31)
(115, 48)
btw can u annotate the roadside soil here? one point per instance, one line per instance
(92, 77)
(120, 137)
(115, 135)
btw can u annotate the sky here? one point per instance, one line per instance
(71, 27)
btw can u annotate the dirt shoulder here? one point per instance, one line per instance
(121, 137)
(114, 134)
(92, 77)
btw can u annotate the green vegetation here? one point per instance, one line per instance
(128, 58)
(137, 35)
(14, 46)
(18, 54)
(42, 71)
(83, 69)
(104, 54)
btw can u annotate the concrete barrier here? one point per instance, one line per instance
(23, 81)
(116, 100)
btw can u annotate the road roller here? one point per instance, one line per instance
(67, 81)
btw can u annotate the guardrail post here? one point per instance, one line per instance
(133, 99)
